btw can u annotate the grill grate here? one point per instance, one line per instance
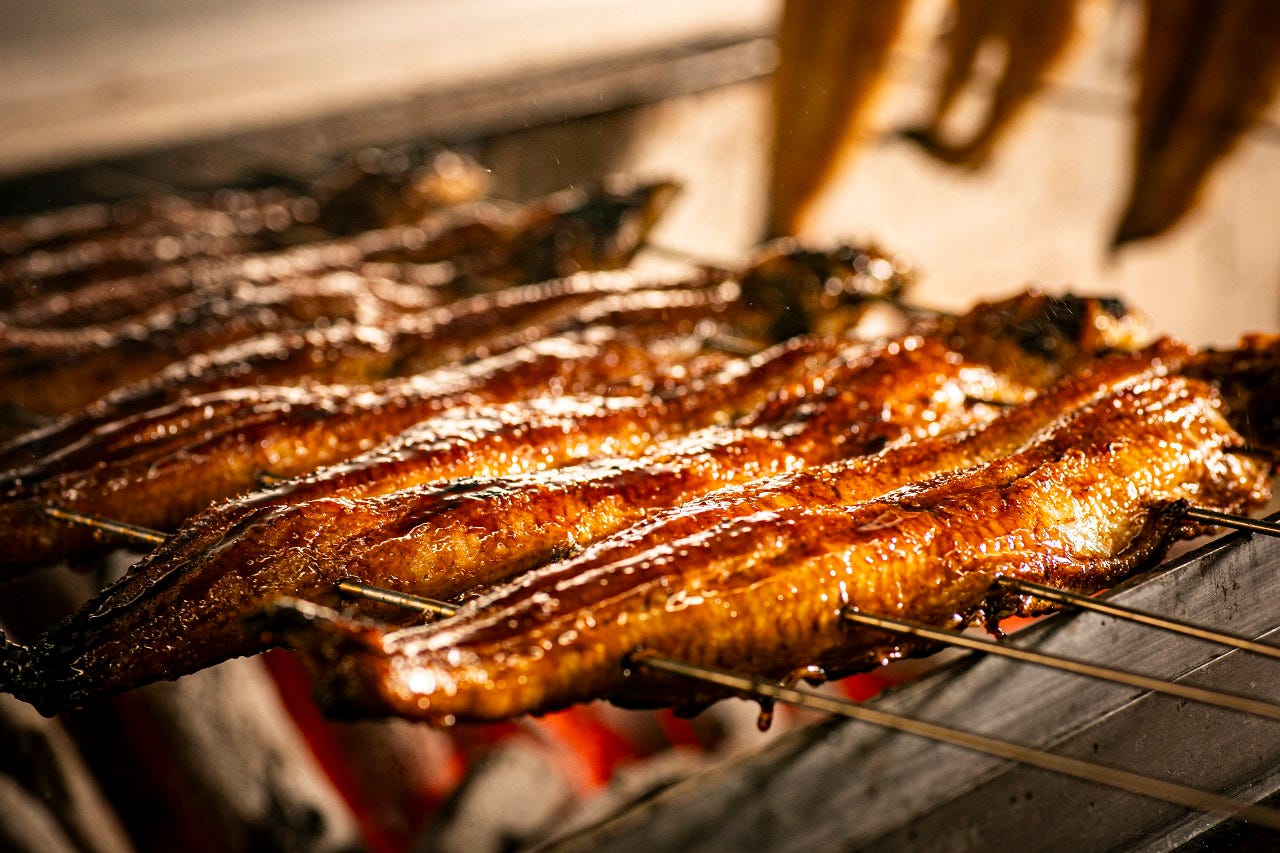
(1118, 620)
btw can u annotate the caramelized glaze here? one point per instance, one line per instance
(166, 465)
(1079, 507)
(808, 401)
(178, 609)
(359, 355)
(570, 232)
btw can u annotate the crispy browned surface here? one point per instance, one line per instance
(562, 234)
(357, 355)
(466, 534)
(372, 331)
(800, 406)
(1079, 507)
(76, 366)
(112, 300)
(375, 188)
(787, 290)
(63, 251)
(156, 473)
(161, 467)
(1036, 335)
(224, 212)
(178, 610)
(848, 481)
(786, 286)
(1249, 379)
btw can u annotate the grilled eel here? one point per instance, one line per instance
(407, 340)
(184, 234)
(1249, 380)
(158, 468)
(568, 230)
(1037, 35)
(1208, 71)
(1032, 336)
(555, 235)
(1088, 501)
(482, 442)
(97, 242)
(167, 481)
(53, 371)
(198, 578)
(90, 365)
(372, 189)
(786, 290)
(474, 329)
(132, 300)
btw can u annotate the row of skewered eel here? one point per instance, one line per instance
(711, 465)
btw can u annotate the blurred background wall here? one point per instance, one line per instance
(152, 94)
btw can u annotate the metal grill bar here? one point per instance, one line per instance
(407, 600)
(1077, 667)
(144, 535)
(1239, 522)
(1164, 623)
(1085, 770)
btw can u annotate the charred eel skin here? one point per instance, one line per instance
(165, 466)
(374, 188)
(1082, 505)
(77, 366)
(358, 355)
(320, 533)
(555, 235)
(155, 478)
(106, 435)
(785, 290)
(464, 535)
(83, 365)
(849, 480)
(178, 610)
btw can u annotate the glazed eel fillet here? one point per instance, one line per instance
(161, 467)
(247, 433)
(558, 234)
(83, 365)
(1082, 504)
(52, 371)
(167, 589)
(780, 294)
(239, 212)
(361, 357)
(562, 233)
(447, 539)
(377, 187)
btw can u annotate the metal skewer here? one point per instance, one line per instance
(1123, 780)
(149, 536)
(1086, 770)
(407, 600)
(1217, 698)
(1239, 522)
(144, 535)
(1177, 626)
(766, 690)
